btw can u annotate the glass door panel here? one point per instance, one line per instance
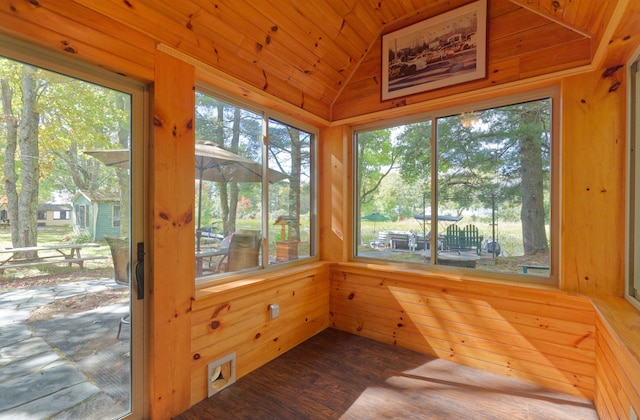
(67, 306)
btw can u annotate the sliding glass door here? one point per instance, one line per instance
(71, 288)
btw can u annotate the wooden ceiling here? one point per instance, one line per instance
(322, 56)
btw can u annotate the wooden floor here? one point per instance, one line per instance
(339, 375)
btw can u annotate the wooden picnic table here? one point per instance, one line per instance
(63, 253)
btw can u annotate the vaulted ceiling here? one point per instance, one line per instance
(311, 50)
(322, 56)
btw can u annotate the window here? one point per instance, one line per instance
(633, 276)
(82, 216)
(42, 215)
(254, 195)
(115, 215)
(61, 215)
(461, 188)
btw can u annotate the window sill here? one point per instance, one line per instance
(623, 319)
(458, 274)
(272, 277)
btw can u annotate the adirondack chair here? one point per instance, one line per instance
(463, 239)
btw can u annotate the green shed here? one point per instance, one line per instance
(97, 213)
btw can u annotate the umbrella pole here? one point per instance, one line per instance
(199, 230)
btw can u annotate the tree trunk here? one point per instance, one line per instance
(30, 159)
(228, 190)
(22, 135)
(534, 235)
(294, 182)
(234, 191)
(10, 175)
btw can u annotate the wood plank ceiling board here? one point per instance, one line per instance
(270, 48)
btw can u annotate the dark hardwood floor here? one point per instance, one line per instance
(339, 375)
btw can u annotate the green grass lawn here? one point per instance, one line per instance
(508, 234)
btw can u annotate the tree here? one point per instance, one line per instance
(290, 153)
(503, 157)
(533, 144)
(22, 141)
(54, 120)
(236, 130)
(377, 158)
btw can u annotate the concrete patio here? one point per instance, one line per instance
(67, 367)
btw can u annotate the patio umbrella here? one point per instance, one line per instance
(375, 217)
(212, 162)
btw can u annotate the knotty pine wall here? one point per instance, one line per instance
(542, 336)
(235, 318)
(521, 330)
(617, 355)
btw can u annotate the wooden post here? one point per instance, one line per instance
(593, 184)
(334, 193)
(173, 266)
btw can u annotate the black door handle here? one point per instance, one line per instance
(140, 271)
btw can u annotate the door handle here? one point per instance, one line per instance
(140, 271)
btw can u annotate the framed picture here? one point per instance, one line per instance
(444, 50)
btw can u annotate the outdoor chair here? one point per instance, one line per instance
(244, 251)
(121, 264)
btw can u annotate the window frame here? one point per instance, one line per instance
(632, 250)
(268, 114)
(553, 93)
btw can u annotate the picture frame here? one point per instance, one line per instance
(444, 50)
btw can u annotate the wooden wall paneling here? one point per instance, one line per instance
(573, 54)
(501, 7)
(90, 28)
(617, 357)
(206, 323)
(510, 59)
(80, 49)
(481, 311)
(551, 377)
(617, 390)
(593, 183)
(238, 321)
(514, 22)
(542, 336)
(609, 390)
(173, 268)
(523, 292)
(527, 42)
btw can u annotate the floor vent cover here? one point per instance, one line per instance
(221, 373)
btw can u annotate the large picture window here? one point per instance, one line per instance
(461, 190)
(254, 201)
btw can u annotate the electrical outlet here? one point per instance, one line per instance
(274, 310)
